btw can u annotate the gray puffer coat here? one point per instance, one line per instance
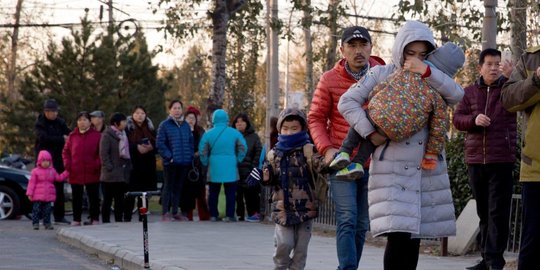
(402, 197)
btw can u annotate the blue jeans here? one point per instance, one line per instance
(350, 198)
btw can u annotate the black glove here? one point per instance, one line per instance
(254, 177)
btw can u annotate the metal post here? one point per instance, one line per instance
(143, 210)
(489, 29)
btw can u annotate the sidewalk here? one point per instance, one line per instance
(216, 245)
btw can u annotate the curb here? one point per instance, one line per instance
(111, 254)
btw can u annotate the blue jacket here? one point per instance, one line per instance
(227, 149)
(175, 142)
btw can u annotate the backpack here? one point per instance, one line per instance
(320, 183)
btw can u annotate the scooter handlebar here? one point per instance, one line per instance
(142, 193)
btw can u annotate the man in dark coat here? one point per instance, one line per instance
(490, 154)
(51, 134)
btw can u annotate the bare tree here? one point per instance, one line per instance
(332, 37)
(12, 66)
(518, 27)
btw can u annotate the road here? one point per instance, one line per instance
(23, 248)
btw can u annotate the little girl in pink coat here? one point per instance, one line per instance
(41, 190)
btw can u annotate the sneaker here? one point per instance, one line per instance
(35, 226)
(255, 218)
(341, 160)
(91, 222)
(481, 265)
(352, 172)
(215, 219)
(180, 217)
(62, 222)
(49, 227)
(75, 223)
(166, 217)
(229, 219)
(241, 219)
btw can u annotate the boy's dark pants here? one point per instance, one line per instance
(354, 139)
(491, 186)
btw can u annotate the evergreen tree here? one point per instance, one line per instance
(86, 72)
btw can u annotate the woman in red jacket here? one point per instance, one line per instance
(81, 160)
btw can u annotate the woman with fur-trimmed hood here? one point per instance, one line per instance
(406, 202)
(142, 149)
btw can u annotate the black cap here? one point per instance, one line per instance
(50, 105)
(353, 32)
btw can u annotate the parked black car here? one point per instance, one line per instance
(13, 199)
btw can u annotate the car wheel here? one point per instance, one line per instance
(9, 203)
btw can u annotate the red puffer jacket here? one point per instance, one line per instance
(495, 143)
(326, 125)
(81, 157)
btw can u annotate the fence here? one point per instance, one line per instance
(327, 219)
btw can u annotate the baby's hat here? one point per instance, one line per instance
(448, 58)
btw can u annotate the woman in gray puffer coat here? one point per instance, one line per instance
(115, 167)
(251, 195)
(406, 203)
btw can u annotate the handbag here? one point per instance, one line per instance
(193, 174)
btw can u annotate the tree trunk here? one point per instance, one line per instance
(518, 27)
(307, 22)
(489, 30)
(223, 9)
(12, 68)
(332, 39)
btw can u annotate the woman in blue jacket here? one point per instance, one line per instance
(221, 149)
(175, 146)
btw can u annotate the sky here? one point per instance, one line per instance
(70, 11)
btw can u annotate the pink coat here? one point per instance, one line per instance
(40, 187)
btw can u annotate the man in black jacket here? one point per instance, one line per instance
(51, 134)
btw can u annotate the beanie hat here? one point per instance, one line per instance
(192, 109)
(292, 112)
(448, 58)
(50, 105)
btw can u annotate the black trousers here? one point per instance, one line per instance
(491, 186)
(113, 191)
(92, 190)
(401, 252)
(529, 251)
(251, 195)
(59, 207)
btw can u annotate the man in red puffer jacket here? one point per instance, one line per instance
(328, 129)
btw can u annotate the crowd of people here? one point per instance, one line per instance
(391, 118)
(103, 161)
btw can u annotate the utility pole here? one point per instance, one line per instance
(12, 68)
(111, 19)
(272, 90)
(489, 29)
(518, 28)
(306, 24)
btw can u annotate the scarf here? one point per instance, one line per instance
(287, 143)
(138, 133)
(357, 75)
(123, 145)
